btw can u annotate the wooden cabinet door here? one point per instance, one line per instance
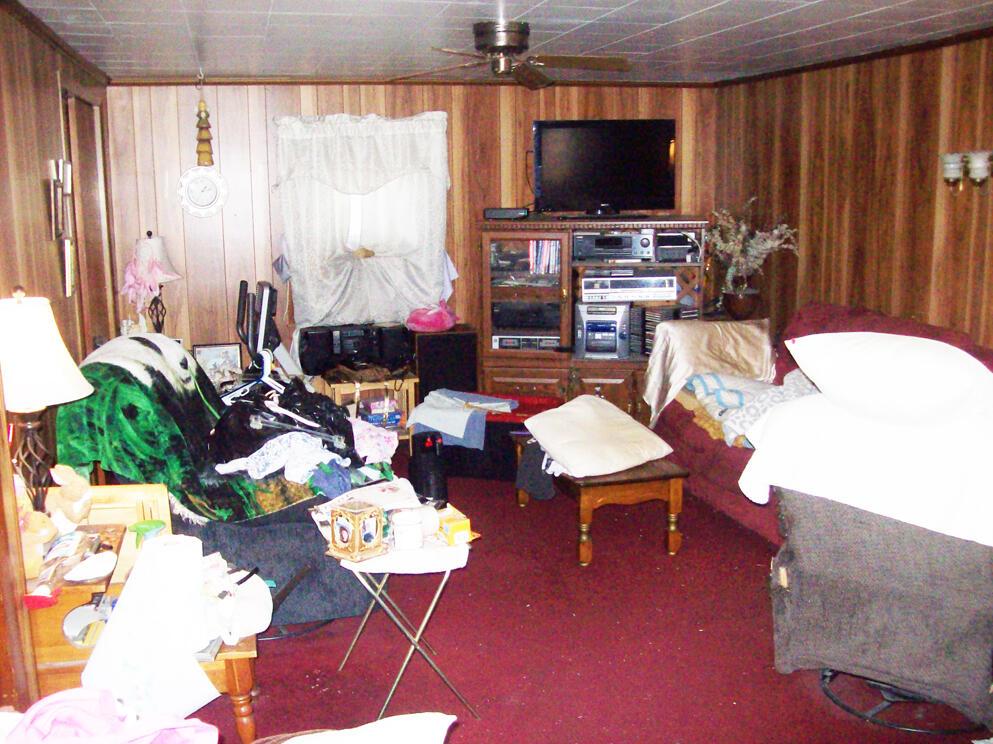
(527, 294)
(97, 296)
(613, 384)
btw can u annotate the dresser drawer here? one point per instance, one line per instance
(516, 381)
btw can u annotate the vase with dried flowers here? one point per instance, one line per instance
(742, 250)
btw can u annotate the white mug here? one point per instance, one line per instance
(406, 529)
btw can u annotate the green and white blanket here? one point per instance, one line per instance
(149, 422)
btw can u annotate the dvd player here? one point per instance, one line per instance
(629, 285)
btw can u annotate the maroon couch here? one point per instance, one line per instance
(715, 467)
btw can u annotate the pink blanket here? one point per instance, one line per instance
(83, 716)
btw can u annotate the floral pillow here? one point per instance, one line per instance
(720, 394)
(795, 385)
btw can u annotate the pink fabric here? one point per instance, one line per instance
(439, 318)
(373, 443)
(141, 281)
(84, 716)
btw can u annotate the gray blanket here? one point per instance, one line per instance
(882, 599)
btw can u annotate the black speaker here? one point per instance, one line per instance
(446, 359)
(316, 353)
(395, 349)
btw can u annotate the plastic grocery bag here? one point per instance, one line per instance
(439, 318)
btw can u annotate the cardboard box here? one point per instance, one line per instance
(453, 525)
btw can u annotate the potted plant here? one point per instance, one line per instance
(742, 249)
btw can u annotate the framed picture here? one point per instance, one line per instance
(221, 362)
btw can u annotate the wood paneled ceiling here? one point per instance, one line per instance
(667, 41)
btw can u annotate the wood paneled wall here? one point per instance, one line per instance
(849, 155)
(152, 141)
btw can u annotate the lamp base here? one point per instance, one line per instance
(157, 311)
(32, 460)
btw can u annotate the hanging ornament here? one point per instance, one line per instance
(202, 189)
(205, 155)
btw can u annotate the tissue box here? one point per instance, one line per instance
(356, 530)
(453, 525)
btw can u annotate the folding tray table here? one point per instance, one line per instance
(431, 558)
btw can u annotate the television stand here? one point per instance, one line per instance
(601, 217)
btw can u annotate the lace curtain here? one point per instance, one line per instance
(364, 210)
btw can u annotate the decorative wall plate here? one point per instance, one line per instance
(202, 191)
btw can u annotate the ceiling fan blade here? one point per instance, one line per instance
(461, 54)
(530, 76)
(607, 64)
(477, 63)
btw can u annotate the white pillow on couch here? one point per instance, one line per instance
(897, 378)
(591, 436)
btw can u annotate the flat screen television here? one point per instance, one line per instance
(604, 166)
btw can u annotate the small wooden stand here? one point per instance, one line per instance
(660, 480)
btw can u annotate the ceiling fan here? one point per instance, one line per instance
(499, 43)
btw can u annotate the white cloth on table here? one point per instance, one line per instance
(297, 454)
(452, 412)
(442, 413)
(387, 495)
(434, 556)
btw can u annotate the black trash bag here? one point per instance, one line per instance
(248, 423)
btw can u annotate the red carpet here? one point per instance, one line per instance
(637, 647)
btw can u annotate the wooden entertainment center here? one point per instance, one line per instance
(528, 266)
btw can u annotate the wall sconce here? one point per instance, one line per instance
(954, 164)
(979, 166)
(952, 169)
(60, 208)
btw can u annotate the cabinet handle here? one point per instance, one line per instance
(565, 293)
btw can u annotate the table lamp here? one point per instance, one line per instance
(146, 272)
(38, 372)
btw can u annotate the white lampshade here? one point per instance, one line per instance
(154, 261)
(36, 366)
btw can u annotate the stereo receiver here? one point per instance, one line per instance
(602, 331)
(629, 285)
(613, 245)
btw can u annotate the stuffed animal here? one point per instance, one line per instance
(70, 504)
(37, 530)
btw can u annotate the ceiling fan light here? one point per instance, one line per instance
(502, 64)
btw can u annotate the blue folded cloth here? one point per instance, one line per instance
(475, 428)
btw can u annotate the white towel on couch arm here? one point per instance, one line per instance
(935, 477)
(684, 347)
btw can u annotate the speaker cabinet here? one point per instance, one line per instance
(394, 346)
(446, 360)
(316, 352)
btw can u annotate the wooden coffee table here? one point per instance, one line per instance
(660, 480)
